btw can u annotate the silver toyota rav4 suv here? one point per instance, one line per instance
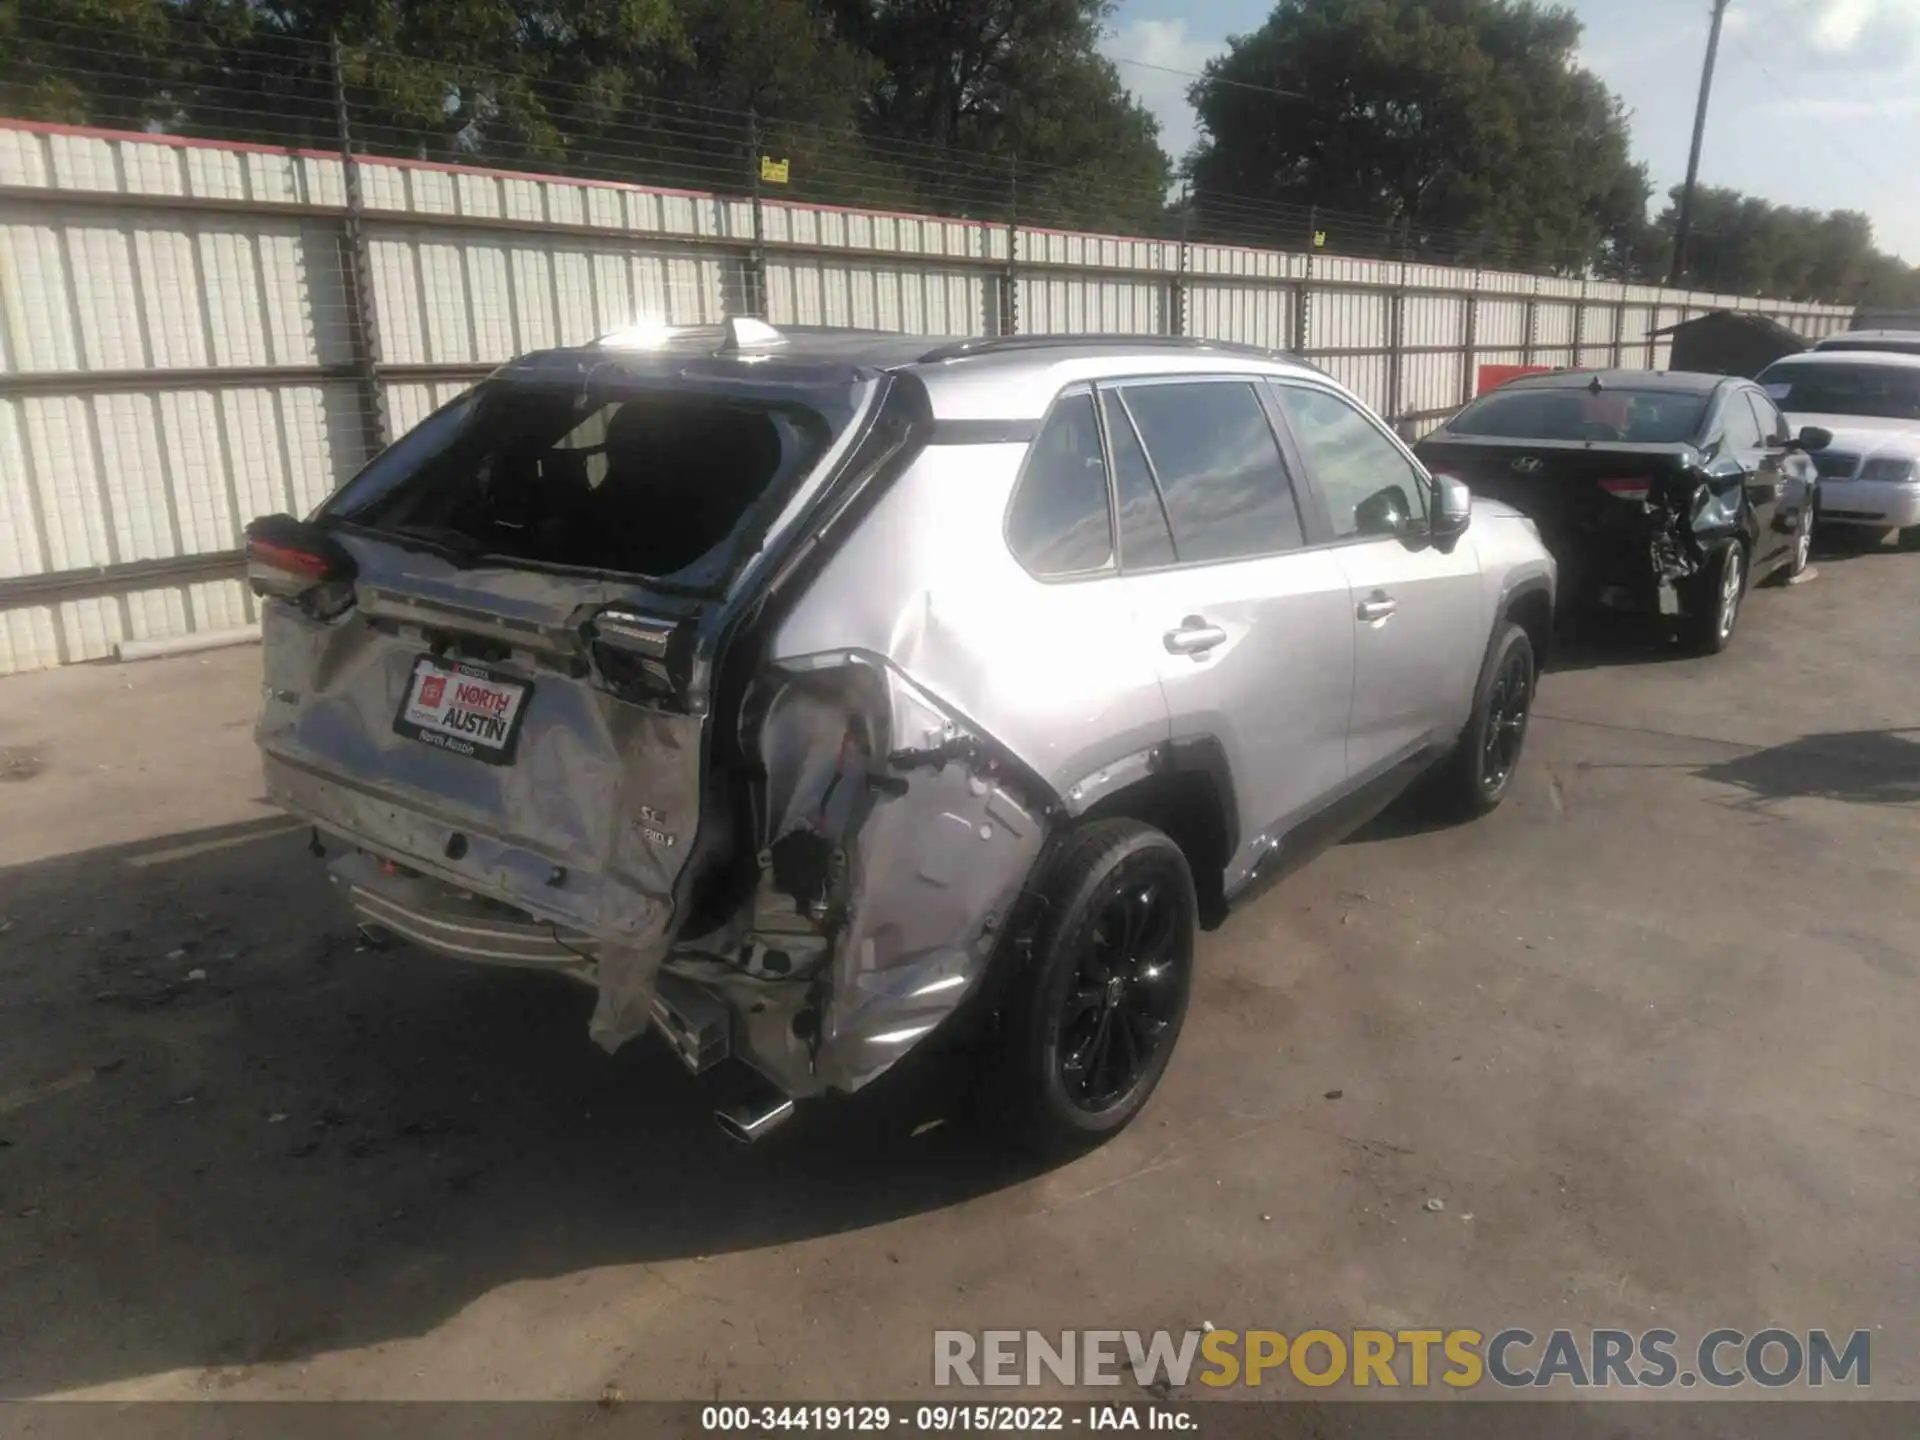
(805, 692)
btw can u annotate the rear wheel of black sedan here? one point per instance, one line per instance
(1713, 609)
(1802, 553)
(1092, 1024)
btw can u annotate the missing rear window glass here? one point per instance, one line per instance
(634, 483)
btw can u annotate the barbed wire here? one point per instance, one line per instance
(265, 87)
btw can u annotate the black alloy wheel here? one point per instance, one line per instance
(1509, 703)
(1475, 778)
(1097, 1006)
(1128, 983)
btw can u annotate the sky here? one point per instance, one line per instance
(1815, 102)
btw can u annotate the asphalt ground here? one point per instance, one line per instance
(1646, 1033)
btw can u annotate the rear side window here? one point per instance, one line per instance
(1740, 426)
(1220, 470)
(1145, 540)
(1773, 426)
(632, 483)
(1060, 522)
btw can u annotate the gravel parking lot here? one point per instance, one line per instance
(1647, 1033)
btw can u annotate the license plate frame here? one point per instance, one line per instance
(425, 710)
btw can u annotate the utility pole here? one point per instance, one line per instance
(1684, 224)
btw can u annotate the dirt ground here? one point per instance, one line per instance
(1647, 1033)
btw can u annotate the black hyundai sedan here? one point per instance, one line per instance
(1659, 493)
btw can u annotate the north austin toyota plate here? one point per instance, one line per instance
(463, 708)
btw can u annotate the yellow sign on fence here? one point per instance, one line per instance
(773, 171)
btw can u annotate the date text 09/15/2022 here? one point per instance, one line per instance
(946, 1419)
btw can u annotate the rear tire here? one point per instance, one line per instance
(1713, 611)
(1476, 777)
(1094, 1018)
(1802, 552)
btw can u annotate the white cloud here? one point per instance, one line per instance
(1874, 36)
(1158, 60)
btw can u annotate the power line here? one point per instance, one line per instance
(1779, 85)
(1210, 79)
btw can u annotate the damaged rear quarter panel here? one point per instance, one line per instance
(926, 634)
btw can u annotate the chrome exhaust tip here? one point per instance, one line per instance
(754, 1119)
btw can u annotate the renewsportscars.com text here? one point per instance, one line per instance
(1512, 1358)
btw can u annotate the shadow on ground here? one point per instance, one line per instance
(1863, 767)
(228, 1135)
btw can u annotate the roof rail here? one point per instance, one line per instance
(1003, 344)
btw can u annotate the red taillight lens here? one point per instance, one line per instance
(290, 560)
(286, 560)
(1633, 488)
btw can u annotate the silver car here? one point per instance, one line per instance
(808, 693)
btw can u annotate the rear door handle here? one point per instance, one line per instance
(1377, 607)
(1194, 637)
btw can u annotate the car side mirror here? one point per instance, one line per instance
(1386, 511)
(1452, 507)
(1810, 439)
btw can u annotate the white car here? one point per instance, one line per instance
(1870, 401)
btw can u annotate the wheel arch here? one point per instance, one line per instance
(1187, 792)
(1530, 606)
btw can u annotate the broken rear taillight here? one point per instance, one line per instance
(647, 658)
(287, 559)
(1635, 487)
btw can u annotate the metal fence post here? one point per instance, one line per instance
(1530, 344)
(1580, 324)
(1010, 278)
(357, 276)
(1303, 292)
(756, 296)
(1470, 340)
(1177, 316)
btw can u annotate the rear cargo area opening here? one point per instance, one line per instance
(632, 483)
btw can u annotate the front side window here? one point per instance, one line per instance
(1370, 485)
(1060, 522)
(1220, 470)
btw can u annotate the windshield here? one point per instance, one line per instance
(1892, 391)
(1629, 417)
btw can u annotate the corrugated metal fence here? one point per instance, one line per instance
(187, 341)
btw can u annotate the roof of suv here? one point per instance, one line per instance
(1867, 339)
(1898, 359)
(1007, 377)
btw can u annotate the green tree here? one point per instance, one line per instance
(992, 80)
(1462, 127)
(1745, 245)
